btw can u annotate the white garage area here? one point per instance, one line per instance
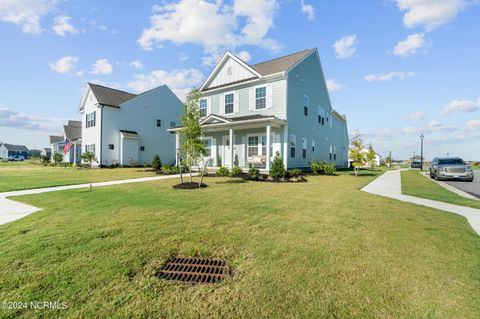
(128, 148)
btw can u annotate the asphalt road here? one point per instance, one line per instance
(471, 188)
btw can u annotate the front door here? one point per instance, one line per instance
(227, 151)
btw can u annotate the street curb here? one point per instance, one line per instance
(451, 188)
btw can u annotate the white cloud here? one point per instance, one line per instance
(137, 64)
(62, 26)
(308, 10)
(345, 47)
(333, 86)
(473, 125)
(434, 124)
(410, 45)
(465, 106)
(25, 14)
(11, 118)
(180, 81)
(244, 56)
(411, 130)
(213, 25)
(417, 116)
(102, 67)
(429, 14)
(388, 76)
(66, 65)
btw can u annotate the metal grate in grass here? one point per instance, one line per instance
(198, 270)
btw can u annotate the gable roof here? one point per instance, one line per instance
(109, 96)
(55, 139)
(73, 131)
(281, 64)
(258, 70)
(15, 148)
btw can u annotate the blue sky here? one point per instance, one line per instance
(396, 68)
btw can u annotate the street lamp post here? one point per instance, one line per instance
(421, 152)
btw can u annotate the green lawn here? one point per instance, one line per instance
(416, 185)
(321, 249)
(26, 175)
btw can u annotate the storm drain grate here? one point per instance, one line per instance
(194, 270)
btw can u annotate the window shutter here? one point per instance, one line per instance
(269, 96)
(209, 106)
(251, 99)
(236, 104)
(214, 151)
(222, 104)
(94, 118)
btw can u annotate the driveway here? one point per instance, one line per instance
(471, 188)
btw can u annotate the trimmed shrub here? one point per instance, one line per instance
(222, 171)
(315, 167)
(156, 163)
(322, 167)
(236, 171)
(169, 170)
(278, 169)
(329, 169)
(295, 173)
(254, 173)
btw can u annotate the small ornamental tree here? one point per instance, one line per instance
(194, 148)
(356, 152)
(278, 169)
(89, 157)
(156, 163)
(57, 158)
(371, 156)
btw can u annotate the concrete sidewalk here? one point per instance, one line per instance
(11, 210)
(390, 185)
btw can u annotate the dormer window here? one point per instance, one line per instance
(229, 103)
(203, 107)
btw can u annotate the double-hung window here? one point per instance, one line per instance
(252, 148)
(331, 152)
(306, 104)
(208, 147)
(90, 120)
(90, 148)
(304, 148)
(159, 123)
(203, 107)
(334, 153)
(293, 145)
(261, 98)
(229, 103)
(313, 146)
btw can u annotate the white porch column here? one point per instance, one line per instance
(285, 146)
(269, 129)
(75, 152)
(177, 148)
(231, 148)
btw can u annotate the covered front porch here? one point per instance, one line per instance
(245, 142)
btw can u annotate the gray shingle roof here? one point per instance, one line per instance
(109, 96)
(15, 148)
(55, 139)
(73, 131)
(280, 64)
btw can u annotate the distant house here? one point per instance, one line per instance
(7, 150)
(72, 132)
(378, 160)
(56, 145)
(129, 129)
(47, 152)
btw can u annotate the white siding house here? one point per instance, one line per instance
(128, 129)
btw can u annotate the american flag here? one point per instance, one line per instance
(68, 145)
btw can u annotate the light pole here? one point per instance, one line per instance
(421, 152)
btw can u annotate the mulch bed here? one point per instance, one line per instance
(189, 186)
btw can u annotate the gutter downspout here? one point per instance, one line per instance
(101, 132)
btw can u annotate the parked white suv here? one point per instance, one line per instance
(16, 158)
(450, 169)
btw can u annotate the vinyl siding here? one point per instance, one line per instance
(307, 79)
(278, 100)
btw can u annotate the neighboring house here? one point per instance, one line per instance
(282, 106)
(47, 152)
(7, 150)
(56, 145)
(128, 129)
(378, 160)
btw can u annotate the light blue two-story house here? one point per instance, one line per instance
(250, 113)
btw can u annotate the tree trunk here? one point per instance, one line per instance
(190, 173)
(201, 174)
(356, 171)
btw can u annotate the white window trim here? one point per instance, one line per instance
(307, 99)
(259, 145)
(209, 138)
(206, 107)
(223, 104)
(255, 97)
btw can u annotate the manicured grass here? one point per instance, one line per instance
(321, 249)
(416, 185)
(27, 175)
